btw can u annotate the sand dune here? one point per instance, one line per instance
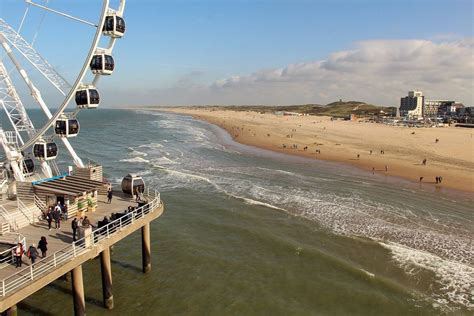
(397, 151)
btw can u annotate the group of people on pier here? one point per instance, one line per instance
(32, 252)
(56, 214)
(81, 227)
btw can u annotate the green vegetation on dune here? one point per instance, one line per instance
(337, 109)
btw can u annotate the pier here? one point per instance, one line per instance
(67, 256)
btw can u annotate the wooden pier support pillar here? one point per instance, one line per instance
(146, 254)
(12, 311)
(106, 269)
(78, 291)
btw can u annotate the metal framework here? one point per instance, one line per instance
(10, 100)
(20, 44)
(12, 105)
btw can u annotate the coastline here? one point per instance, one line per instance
(396, 151)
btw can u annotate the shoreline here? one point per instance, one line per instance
(351, 143)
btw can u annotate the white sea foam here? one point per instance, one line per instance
(370, 274)
(151, 145)
(163, 161)
(456, 280)
(135, 159)
(134, 152)
(255, 202)
(145, 173)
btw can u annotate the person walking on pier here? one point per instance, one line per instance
(49, 218)
(57, 216)
(43, 246)
(18, 253)
(32, 253)
(74, 226)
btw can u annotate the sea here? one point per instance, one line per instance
(251, 232)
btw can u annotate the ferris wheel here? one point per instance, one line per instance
(26, 146)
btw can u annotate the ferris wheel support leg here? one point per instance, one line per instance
(46, 169)
(77, 160)
(12, 156)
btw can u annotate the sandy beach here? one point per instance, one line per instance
(377, 148)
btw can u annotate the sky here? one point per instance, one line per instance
(197, 52)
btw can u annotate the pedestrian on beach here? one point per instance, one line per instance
(373, 170)
(437, 179)
(49, 218)
(371, 151)
(32, 253)
(386, 168)
(74, 226)
(109, 196)
(358, 156)
(424, 162)
(440, 179)
(421, 179)
(43, 246)
(18, 253)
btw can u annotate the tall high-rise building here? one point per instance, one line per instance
(412, 105)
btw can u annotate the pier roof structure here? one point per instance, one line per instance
(70, 185)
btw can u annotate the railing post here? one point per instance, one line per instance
(74, 249)
(3, 287)
(54, 259)
(120, 222)
(108, 231)
(31, 272)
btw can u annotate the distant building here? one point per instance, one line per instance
(438, 107)
(412, 106)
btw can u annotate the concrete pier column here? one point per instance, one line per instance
(106, 269)
(78, 291)
(12, 311)
(146, 254)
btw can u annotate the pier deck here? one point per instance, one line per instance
(18, 283)
(59, 238)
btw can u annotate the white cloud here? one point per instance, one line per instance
(374, 71)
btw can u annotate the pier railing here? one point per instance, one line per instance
(77, 248)
(6, 256)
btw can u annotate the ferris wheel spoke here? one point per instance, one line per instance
(41, 64)
(78, 81)
(61, 13)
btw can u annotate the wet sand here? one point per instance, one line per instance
(377, 148)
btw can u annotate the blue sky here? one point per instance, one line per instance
(175, 52)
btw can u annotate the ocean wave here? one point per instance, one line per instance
(134, 152)
(260, 203)
(151, 145)
(163, 161)
(455, 279)
(135, 159)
